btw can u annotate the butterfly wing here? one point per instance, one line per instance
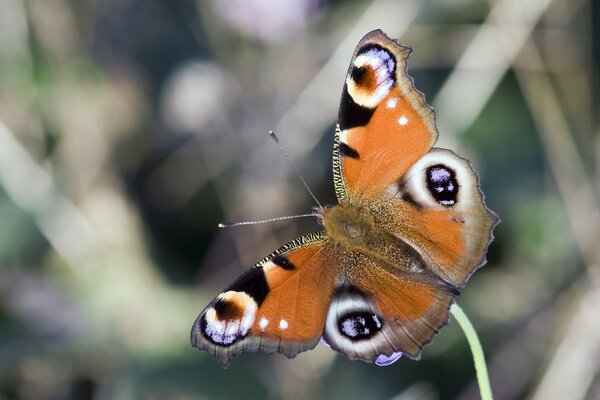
(383, 160)
(438, 209)
(384, 123)
(279, 305)
(380, 312)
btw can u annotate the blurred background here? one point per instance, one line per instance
(130, 128)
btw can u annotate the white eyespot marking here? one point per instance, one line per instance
(263, 323)
(440, 174)
(377, 321)
(403, 120)
(237, 310)
(349, 327)
(232, 329)
(438, 179)
(355, 324)
(391, 103)
(213, 323)
(379, 65)
(283, 324)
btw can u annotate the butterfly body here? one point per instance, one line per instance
(410, 228)
(353, 229)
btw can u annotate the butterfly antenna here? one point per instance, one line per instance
(229, 225)
(287, 156)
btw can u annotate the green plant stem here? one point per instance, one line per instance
(483, 378)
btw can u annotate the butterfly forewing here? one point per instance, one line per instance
(277, 306)
(383, 160)
(384, 123)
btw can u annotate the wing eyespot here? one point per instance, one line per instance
(442, 184)
(359, 325)
(229, 319)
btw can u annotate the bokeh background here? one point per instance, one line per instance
(130, 128)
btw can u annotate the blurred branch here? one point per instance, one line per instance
(484, 62)
(573, 182)
(32, 188)
(574, 363)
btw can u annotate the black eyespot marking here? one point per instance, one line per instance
(359, 74)
(283, 262)
(347, 151)
(228, 310)
(253, 283)
(351, 114)
(442, 184)
(359, 325)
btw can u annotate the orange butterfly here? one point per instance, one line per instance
(410, 228)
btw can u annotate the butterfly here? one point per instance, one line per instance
(410, 228)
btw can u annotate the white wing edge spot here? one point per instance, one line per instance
(283, 324)
(263, 323)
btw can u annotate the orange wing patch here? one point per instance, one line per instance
(435, 233)
(295, 309)
(395, 138)
(384, 126)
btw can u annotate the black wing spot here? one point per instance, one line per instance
(351, 114)
(442, 184)
(283, 262)
(253, 283)
(228, 310)
(359, 74)
(348, 151)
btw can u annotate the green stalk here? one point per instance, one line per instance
(483, 378)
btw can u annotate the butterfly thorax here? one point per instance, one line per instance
(355, 229)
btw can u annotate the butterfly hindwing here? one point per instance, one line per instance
(384, 123)
(438, 208)
(379, 312)
(279, 305)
